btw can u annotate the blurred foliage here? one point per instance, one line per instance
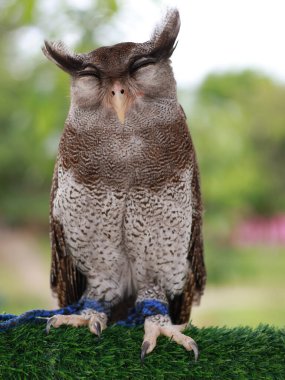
(34, 100)
(238, 124)
(237, 119)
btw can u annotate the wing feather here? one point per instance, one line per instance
(180, 306)
(67, 282)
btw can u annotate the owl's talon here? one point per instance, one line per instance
(97, 328)
(194, 348)
(98, 323)
(145, 347)
(161, 325)
(50, 323)
(94, 320)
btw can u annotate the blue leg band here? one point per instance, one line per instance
(143, 310)
(8, 321)
(135, 317)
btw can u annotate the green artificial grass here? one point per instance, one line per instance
(26, 352)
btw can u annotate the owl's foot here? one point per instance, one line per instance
(96, 321)
(161, 325)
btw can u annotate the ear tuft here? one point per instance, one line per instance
(165, 34)
(59, 53)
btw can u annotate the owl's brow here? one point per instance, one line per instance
(141, 61)
(141, 56)
(84, 66)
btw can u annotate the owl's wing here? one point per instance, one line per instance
(180, 306)
(66, 281)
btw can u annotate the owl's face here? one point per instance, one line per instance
(116, 78)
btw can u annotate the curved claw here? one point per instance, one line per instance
(194, 347)
(145, 347)
(49, 324)
(98, 329)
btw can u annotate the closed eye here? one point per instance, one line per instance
(142, 62)
(88, 73)
(89, 70)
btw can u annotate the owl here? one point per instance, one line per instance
(126, 211)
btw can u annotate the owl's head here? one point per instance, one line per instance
(121, 76)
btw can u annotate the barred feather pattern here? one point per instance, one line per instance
(126, 210)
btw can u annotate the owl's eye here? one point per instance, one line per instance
(141, 62)
(89, 71)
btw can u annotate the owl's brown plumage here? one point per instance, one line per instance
(126, 212)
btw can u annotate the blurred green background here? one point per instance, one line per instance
(237, 121)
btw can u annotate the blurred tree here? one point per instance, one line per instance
(238, 121)
(34, 99)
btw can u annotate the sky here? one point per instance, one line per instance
(215, 35)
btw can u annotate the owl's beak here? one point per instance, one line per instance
(119, 101)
